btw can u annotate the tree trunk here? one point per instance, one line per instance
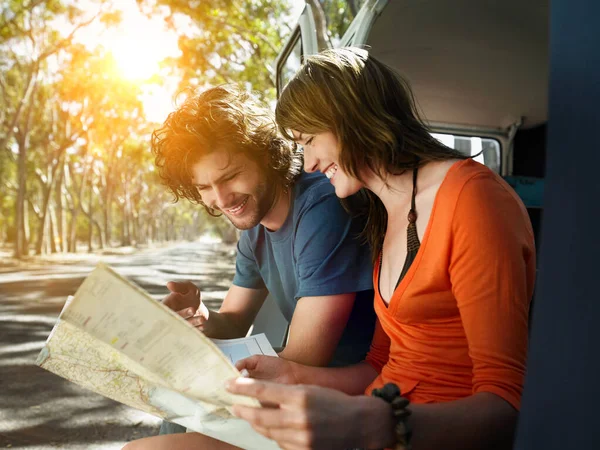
(79, 206)
(126, 228)
(20, 239)
(52, 230)
(323, 41)
(47, 190)
(100, 232)
(46, 250)
(88, 213)
(106, 213)
(26, 232)
(72, 236)
(22, 229)
(136, 228)
(108, 197)
(61, 230)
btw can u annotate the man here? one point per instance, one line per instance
(221, 149)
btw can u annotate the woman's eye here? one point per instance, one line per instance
(309, 141)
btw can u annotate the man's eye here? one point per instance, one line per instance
(309, 141)
(231, 177)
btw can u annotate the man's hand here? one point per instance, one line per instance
(269, 368)
(185, 300)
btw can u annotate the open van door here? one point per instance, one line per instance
(302, 41)
(358, 32)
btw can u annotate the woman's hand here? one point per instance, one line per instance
(303, 417)
(270, 368)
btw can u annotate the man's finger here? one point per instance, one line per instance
(196, 321)
(181, 287)
(186, 313)
(171, 298)
(265, 391)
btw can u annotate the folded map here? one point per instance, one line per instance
(114, 339)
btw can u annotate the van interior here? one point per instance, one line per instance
(479, 72)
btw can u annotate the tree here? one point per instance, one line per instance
(28, 42)
(74, 143)
(228, 40)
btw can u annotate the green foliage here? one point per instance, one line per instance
(339, 14)
(228, 40)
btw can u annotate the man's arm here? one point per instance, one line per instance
(234, 318)
(331, 268)
(316, 328)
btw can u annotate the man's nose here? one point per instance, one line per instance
(222, 197)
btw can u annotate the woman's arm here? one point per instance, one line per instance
(317, 418)
(311, 417)
(481, 421)
(492, 272)
(352, 379)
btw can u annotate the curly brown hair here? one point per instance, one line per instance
(223, 118)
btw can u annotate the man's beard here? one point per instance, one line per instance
(261, 201)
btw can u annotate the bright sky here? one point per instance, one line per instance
(138, 45)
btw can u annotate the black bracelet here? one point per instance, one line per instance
(391, 394)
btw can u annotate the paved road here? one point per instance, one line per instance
(39, 410)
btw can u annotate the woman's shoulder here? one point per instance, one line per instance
(472, 192)
(463, 169)
(471, 183)
(467, 173)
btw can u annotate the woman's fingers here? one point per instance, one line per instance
(291, 438)
(249, 364)
(272, 417)
(268, 368)
(265, 391)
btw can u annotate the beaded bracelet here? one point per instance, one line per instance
(391, 394)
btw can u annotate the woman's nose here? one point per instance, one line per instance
(311, 164)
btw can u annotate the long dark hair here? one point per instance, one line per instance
(371, 109)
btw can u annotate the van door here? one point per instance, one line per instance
(358, 32)
(303, 41)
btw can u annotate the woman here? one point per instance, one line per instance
(454, 272)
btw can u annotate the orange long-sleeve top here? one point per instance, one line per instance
(457, 323)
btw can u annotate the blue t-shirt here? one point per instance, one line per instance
(316, 252)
